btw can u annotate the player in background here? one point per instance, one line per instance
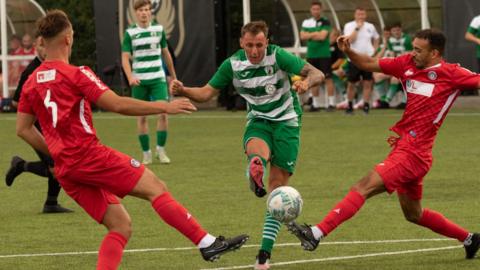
(364, 39)
(42, 167)
(432, 85)
(260, 73)
(382, 81)
(95, 176)
(145, 43)
(316, 31)
(399, 43)
(473, 35)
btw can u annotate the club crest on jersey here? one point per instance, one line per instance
(270, 88)
(269, 70)
(135, 163)
(46, 76)
(432, 75)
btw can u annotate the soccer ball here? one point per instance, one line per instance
(284, 204)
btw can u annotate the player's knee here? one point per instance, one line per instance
(120, 223)
(124, 229)
(412, 217)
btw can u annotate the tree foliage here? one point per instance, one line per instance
(82, 17)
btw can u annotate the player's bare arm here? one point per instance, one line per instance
(471, 37)
(362, 61)
(168, 60)
(29, 133)
(130, 106)
(128, 69)
(313, 77)
(198, 94)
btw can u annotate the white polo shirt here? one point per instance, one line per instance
(365, 36)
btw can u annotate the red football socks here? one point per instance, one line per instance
(111, 251)
(440, 224)
(344, 210)
(175, 215)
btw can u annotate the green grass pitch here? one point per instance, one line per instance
(207, 175)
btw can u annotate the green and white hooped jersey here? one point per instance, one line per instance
(400, 45)
(145, 45)
(474, 29)
(265, 86)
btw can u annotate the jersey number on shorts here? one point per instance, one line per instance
(51, 104)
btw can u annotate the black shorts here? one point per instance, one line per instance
(354, 74)
(323, 64)
(478, 67)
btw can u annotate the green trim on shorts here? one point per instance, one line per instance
(152, 90)
(282, 139)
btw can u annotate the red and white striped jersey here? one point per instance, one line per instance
(59, 95)
(430, 94)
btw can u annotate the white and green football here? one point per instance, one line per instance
(284, 204)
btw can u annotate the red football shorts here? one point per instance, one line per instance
(403, 170)
(99, 179)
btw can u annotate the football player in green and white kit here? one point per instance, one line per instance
(260, 73)
(145, 43)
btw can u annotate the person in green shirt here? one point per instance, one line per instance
(260, 72)
(145, 43)
(473, 35)
(316, 31)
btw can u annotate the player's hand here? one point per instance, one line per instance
(343, 43)
(176, 87)
(134, 81)
(180, 105)
(300, 86)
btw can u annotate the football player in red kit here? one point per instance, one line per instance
(431, 85)
(95, 176)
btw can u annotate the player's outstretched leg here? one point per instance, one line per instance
(149, 187)
(370, 185)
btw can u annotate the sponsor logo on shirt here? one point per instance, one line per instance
(420, 88)
(46, 76)
(432, 75)
(93, 78)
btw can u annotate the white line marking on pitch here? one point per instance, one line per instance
(74, 253)
(342, 257)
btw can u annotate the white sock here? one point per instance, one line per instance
(331, 100)
(147, 152)
(317, 233)
(160, 148)
(206, 241)
(316, 101)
